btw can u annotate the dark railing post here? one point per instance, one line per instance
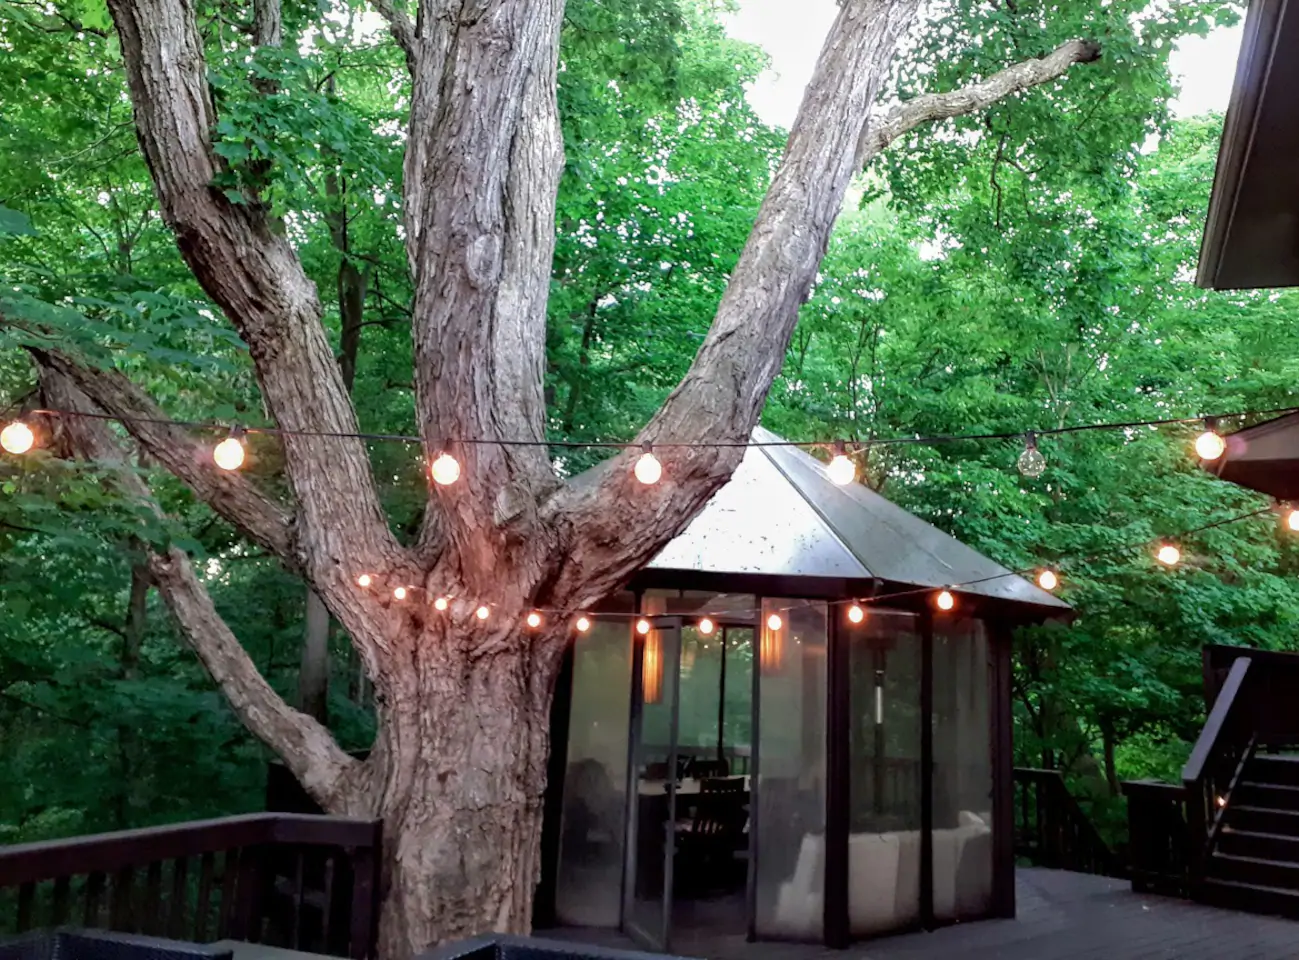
(366, 898)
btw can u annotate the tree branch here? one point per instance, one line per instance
(929, 107)
(305, 745)
(401, 28)
(230, 494)
(617, 529)
(251, 271)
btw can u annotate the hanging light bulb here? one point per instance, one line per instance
(17, 437)
(1031, 463)
(364, 581)
(534, 619)
(1047, 579)
(481, 613)
(582, 624)
(643, 626)
(441, 603)
(1169, 555)
(841, 470)
(706, 627)
(648, 469)
(1210, 445)
(856, 614)
(445, 469)
(1290, 516)
(399, 593)
(229, 453)
(945, 600)
(774, 622)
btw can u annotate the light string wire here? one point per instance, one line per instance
(931, 439)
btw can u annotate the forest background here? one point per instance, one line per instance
(1026, 268)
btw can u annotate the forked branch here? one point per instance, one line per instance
(306, 746)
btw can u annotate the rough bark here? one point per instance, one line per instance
(313, 672)
(458, 767)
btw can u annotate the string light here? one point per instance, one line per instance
(1047, 580)
(706, 626)
(856, 614)
(945, 600)
(774, 622)
(364, 581)
(582, 624)
(648, 470)
(481, 613)
(1168, 555)
(445, 469)
(1031, 463)
(1210, 445)
(441, 603)
(1291, 516)
(841, 470)
(17, 437)
(229, 453)
(534, 619)
(643, 626)
(399, 593)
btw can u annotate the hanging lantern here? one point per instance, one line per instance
(652, 668)
(771, 647)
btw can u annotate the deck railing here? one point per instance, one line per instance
(1052, 830)
(1159, 841)
(297, 881)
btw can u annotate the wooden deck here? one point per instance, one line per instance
(1061, 916)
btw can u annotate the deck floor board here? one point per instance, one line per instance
(1061, 916)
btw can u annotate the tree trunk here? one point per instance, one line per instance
(137, 611)
(1111, 769)
(460, 763)
(313, 674)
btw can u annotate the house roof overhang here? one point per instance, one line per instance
(1264, 457)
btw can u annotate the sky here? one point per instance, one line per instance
(792, 33)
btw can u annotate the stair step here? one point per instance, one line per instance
(1252, 897)
(1250, 843)
(1263, 819)
(1274, 768)
(1278, 796)
(1256, 870)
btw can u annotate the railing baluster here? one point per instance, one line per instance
(120, 910)
(295, 921)
(59, 906)
(150, 914)
(202, 908)
(26, 894)
(229, 876)
(179, 898)
(94, 891)
(327, 908)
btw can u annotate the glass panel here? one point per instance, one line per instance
(884, 771)
(656, 781)
(594, 807)
(737, 725)
(790, 876)
(962, 771)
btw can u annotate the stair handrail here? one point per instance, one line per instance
(1217, 760)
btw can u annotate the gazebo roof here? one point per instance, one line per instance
(1264, 457)
(780, 516)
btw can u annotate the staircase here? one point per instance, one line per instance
(1254, 862)
(1229, 833)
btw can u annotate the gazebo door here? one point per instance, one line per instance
(652, 799)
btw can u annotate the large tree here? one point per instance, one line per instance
(457, 769)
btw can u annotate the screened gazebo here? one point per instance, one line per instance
(776, 732)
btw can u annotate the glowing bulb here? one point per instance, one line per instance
(441, 603)
(774, 622)
(643, 626)
(856, 614)
(1169, 555)
(1210, 445)
(1031, 463)
(945, 600)
(1292, 519)
(1221, 801)
(445, 469)
(364, 581)
(648, 469)
(229, 453)
(706, 626)
(841, 470)
(17, 437)
(1048, 580)
(399, 593)
(582, 624)
(534, 619)
(481, 613)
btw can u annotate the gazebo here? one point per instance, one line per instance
(778, 732)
